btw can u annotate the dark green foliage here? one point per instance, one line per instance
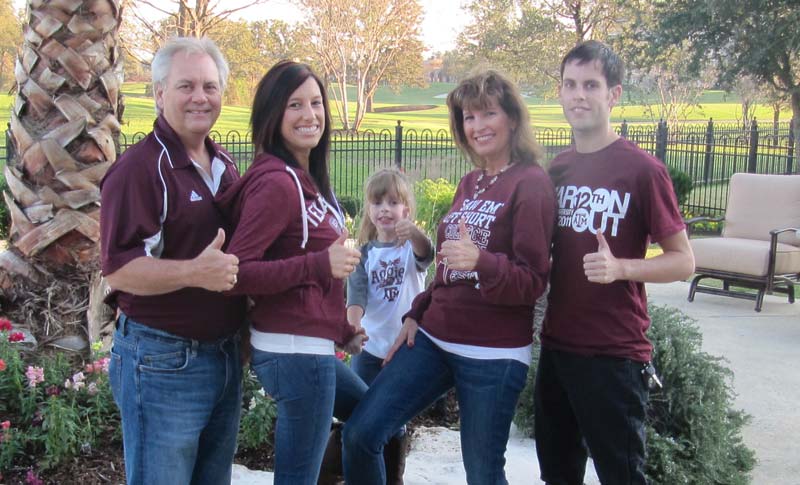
(524, 418)
(693, 433)
(681, 183)
(350, 205)
(258, 415)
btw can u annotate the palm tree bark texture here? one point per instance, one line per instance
(64, 129)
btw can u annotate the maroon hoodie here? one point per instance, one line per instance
(283, 228)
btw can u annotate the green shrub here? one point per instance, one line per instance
(258, 415)
(350, 205)
(434, 198)
(693, 433)
(681, 183)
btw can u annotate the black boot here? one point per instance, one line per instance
(394, 457)
(331, 472)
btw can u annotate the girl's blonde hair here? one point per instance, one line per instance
(475, 92)
(387, 181)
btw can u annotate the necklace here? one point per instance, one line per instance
(492, 180)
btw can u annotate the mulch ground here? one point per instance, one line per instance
(105, 464)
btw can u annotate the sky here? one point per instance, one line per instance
(443, 20)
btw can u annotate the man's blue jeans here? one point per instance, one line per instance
(303, 386)
(180, 401)
(487, 392)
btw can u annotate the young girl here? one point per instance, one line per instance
(395, 255)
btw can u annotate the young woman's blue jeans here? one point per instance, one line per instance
(303, 386)
(180, 401)
(487, 392)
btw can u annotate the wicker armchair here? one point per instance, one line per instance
(760, 244)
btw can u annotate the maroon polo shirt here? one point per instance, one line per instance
(156, 204)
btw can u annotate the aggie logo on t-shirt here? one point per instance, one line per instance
(582, 208)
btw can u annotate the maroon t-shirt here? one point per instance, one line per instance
(627, 194)
(155, 203)
(283, 230)
(511, 223)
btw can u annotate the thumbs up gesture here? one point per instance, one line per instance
(213, 269)
(460, 254)
(342, 258)
(602, 266)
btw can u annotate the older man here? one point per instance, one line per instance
(175, 370)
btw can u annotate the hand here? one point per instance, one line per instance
(405, 230)
(213, 269)
(343, 259)
(354, 346)
(602, 266)
(406, 336)
(460, 254)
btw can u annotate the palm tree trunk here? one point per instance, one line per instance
(64, 128)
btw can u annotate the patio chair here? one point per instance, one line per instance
(760, 244)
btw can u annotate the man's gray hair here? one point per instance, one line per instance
(162, 61)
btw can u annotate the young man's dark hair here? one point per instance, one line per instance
(592, 50)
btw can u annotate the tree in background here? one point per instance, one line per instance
(517, 37)
(359, 42)
(65, 130)
(252, 47)
(756, 37)
(659, 77)
(184, 18)
(590, 19)
(10, 32)
(148, 24)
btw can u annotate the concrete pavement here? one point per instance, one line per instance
(763, 351)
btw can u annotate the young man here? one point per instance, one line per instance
(613, 200)
(175, 370)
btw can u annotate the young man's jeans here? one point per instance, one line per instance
(303, 386)
(596, 400)
(180, 401)
(487, 392)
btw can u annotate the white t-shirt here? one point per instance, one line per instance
(384, 284)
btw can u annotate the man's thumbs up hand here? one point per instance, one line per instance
(602, 266)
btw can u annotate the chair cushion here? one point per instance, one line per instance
(746, 256)
(758, 204)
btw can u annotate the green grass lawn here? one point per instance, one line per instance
(545, 113)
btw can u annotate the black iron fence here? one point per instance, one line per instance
(709, 152)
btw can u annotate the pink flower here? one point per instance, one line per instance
(53, 391)
(5, 425)
(35, 375)
(100, 365)
(31, 478)
(5, 325)
(340, 355)
(16, 337)
(2, 365)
